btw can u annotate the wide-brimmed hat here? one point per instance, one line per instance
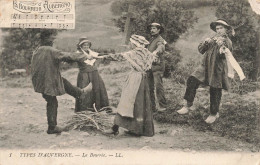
(83, 40)
(138, 40)
(219, 22)
(157, 25)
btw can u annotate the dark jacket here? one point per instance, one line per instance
(83, 67)
(157, 43)
(213, 70)
(46, 77)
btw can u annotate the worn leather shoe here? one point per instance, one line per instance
(56, 130)
(212, 118)
(110, 131)
(183, 110)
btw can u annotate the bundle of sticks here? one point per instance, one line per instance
(88, 120)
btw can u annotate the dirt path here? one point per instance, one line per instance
(23, 125)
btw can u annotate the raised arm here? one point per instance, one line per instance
(114, 57)
(204, 46)
(68, 57)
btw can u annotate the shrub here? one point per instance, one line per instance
(243, 87)
(172, 58)
(196, 3)
(175, 19)
(238, 13)
(17, 54)
(182, 71)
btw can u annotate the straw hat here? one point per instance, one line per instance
(157, 25)
(83, 40)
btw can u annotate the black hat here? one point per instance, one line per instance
(219, 22)
(157, 25)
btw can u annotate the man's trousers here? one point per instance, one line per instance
(215, 94)
(52, 102)
(156, 84)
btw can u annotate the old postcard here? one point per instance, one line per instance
(130, 82)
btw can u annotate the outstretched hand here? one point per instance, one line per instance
(99, 57)
(105, 56)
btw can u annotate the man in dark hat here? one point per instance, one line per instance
(47, 80)
(213, 72)
(157, 47)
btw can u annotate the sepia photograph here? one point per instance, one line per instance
(130, 82)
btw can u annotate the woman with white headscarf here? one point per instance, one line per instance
(134, 111)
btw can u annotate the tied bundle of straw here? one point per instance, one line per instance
(87, 120)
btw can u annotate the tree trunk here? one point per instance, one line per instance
(256, 65)
(2, 72)
(256, 75)
(129, 24)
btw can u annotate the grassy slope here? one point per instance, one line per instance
(188, 42)
(93, 20)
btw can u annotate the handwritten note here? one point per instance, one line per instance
(50, 14)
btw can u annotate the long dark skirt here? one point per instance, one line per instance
(98, 94)
(142, 123)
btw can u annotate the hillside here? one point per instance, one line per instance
(93, 20)
(188, 42)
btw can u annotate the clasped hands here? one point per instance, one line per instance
(156, 57)
(104, 55)
(219, 40)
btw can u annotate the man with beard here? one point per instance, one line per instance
(157, 47)
(47, 80)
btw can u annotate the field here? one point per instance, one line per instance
(23, 114)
